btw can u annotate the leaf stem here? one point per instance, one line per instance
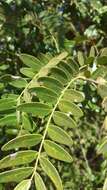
(48, 123)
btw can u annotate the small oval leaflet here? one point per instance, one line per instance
(56, 151)
(69, 107)
(59, 135)
(74, 95)
(23, 141)
(65, 122)
(44, 93)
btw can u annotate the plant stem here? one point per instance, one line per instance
(48, 123)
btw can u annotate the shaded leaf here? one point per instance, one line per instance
(51, 83)
(44, 94)
(18, 82)
(8, 120)
(7, 104)
(36, 108)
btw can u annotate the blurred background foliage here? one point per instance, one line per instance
(41, 26)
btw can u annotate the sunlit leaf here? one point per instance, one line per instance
(15, 175)
(22, 141)
(39, 182)
(56, 151)
(18, 158)
(52, 173)
(23, 185)
(59, 135)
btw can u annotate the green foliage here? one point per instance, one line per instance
(53, 95)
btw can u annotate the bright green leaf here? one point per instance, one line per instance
(22, 141)
(59, 135)
(56, 151)
(15, 175)
(52, 173)
(18, 158)
(23, 185)
(39, 182)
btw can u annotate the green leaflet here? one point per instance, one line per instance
(92, 52)
(22, 141)
(39, 182)
(9, 120)
(18, 82)
(7, 104)
(59, 74)
(63, 120)
(69, 107)
(74, 65)
(74, 95)
(36, 108)
(52, 173)
(18, 158)
(23, 185)
(15, 175)
(105, 185)
(55, 60)
(45, 94)
(102, 60)
(103, 147)
(31, 61)
(51, 83)
(80, 58)
(102, 90)
(66, 68)
(27, 72)
(59, 135)
(27, 122)
(56, 151)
